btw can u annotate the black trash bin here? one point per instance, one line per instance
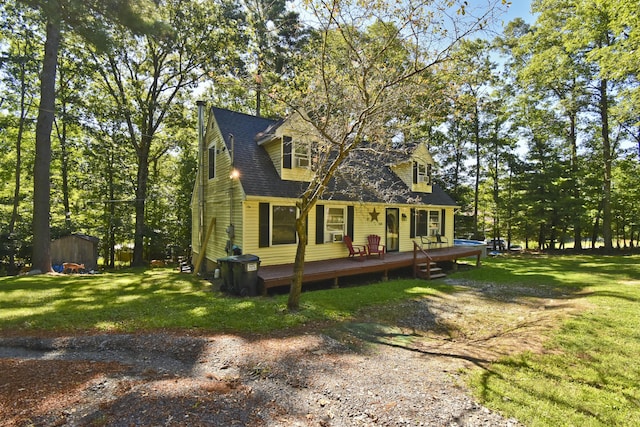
(245, 274)
(226, 273)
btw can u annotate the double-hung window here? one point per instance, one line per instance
(434, 223)
(283, 228)
(335, 224)
(296, 154)
(301, 155)
(428, 222)
(421, 222)
(421, 173)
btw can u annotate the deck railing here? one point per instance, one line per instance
(419, 248)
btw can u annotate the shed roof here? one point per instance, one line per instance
(80, 236)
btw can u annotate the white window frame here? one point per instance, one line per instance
(335, 223)
(433, 222)
(301, 155)
(424, 173)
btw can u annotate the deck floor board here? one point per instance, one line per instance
(333, 269)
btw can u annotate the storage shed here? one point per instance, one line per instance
(78, 248)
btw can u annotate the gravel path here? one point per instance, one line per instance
(167, 379)
(363, 373)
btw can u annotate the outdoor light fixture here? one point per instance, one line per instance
(234, 172)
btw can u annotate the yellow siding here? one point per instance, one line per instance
(223, 197)
(363, 226)
(421, 188)
(297, 174)
(247, 236)
(299, 130)
(405, 173)
(422, 155)
(404, 170)
(274, 149)
(227, 203)
(195, 217)
(281, 254)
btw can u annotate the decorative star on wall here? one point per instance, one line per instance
(374, 215)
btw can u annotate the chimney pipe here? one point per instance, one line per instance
(201, 194)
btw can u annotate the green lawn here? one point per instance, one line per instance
(588, 375)
(164, 298)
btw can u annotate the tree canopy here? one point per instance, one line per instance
(535, 128)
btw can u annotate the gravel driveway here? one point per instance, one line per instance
(357, 374)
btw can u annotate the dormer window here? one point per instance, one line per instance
(296, 154)
(421, 173)
(301, 155)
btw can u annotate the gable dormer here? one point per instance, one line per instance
(416, 172)
(289, 150)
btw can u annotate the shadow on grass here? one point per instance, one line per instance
(586, 375)
(159, 299)
(123, 301)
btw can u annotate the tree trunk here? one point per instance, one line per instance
(111, 228)
(298, 267)
(596, 226)
(476, 131)
(577, 201)
(41, 170)
(553, 232)
(496, 192)
(18, 169)
(606, 156)
(541, 237)
(141, 195)
(64, 168)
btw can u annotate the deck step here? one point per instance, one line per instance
(424, 265)
(434, 272)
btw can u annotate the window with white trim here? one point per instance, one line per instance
(295, 154)
(434, 223)
(428, 222)
(422, 173)
(335, 223)
(301, 155)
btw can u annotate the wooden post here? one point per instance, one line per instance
(415, 261)
(203, 247)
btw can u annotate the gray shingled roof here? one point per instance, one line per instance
(259, 176)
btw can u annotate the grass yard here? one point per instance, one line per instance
(587, 375)
(166, 299)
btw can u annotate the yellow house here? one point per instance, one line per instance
(253, 169)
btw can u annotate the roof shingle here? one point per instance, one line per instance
(259, 176)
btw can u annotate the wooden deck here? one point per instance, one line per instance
(280, 275)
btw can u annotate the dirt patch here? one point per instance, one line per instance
(395, 366)
(31, 389)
